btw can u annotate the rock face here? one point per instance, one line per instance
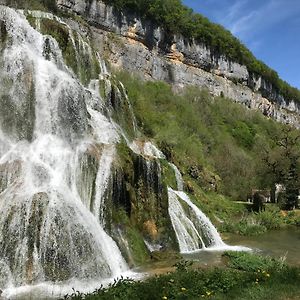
(140, 46)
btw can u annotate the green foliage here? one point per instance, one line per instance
(283, 165)
(271, 219)
(293, 217)
(247, 277)
(251, 223)
(49, 5)
(247, 226)
(252, 263)
(217, 144)
(244, 134)
(176, 18)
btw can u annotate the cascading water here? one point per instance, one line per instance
(49, 125)
(192, 227)
(101, 183)
(178, 177)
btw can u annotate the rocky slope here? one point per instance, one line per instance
(139, 46)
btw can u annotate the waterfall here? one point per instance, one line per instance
(102, 182)
(178, 177)
(50, 130)
(58, 147)
(193, 229)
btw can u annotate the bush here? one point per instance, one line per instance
(252, 263)
(270, 219)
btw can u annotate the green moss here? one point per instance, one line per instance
(125, 159)
(3, 34)
(147, 204)
(18, 119)
(137, 246)
(133, 247)
(168, 175)
(33, 4)
(31, 20)
(102, 90)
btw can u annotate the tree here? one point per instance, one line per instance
(283, 166)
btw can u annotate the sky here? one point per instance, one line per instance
(269, 28)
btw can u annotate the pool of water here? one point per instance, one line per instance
(278, 243)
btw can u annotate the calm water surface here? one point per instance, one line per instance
(278, 244)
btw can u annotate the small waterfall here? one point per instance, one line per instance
(187, 235)
(132, 115)
(146, 149)
(102, 180)
(206, 234)
(193, 229)
(178, 177)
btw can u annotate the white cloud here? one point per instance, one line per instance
(245, 22)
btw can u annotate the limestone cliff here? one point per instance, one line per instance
(140, 46)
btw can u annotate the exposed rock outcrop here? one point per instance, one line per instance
(140, 46)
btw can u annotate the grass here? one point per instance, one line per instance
(252, 223)
(213, 141)
(245, 276)
(217, 146)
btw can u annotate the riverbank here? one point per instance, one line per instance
(244, 276)
(249, 223)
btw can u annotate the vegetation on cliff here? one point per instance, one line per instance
(218, 145)
(176, 18)
(33, 4)
(179, 19)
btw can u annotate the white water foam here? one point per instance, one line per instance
(193, 229)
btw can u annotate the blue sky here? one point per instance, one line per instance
(269, 28)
